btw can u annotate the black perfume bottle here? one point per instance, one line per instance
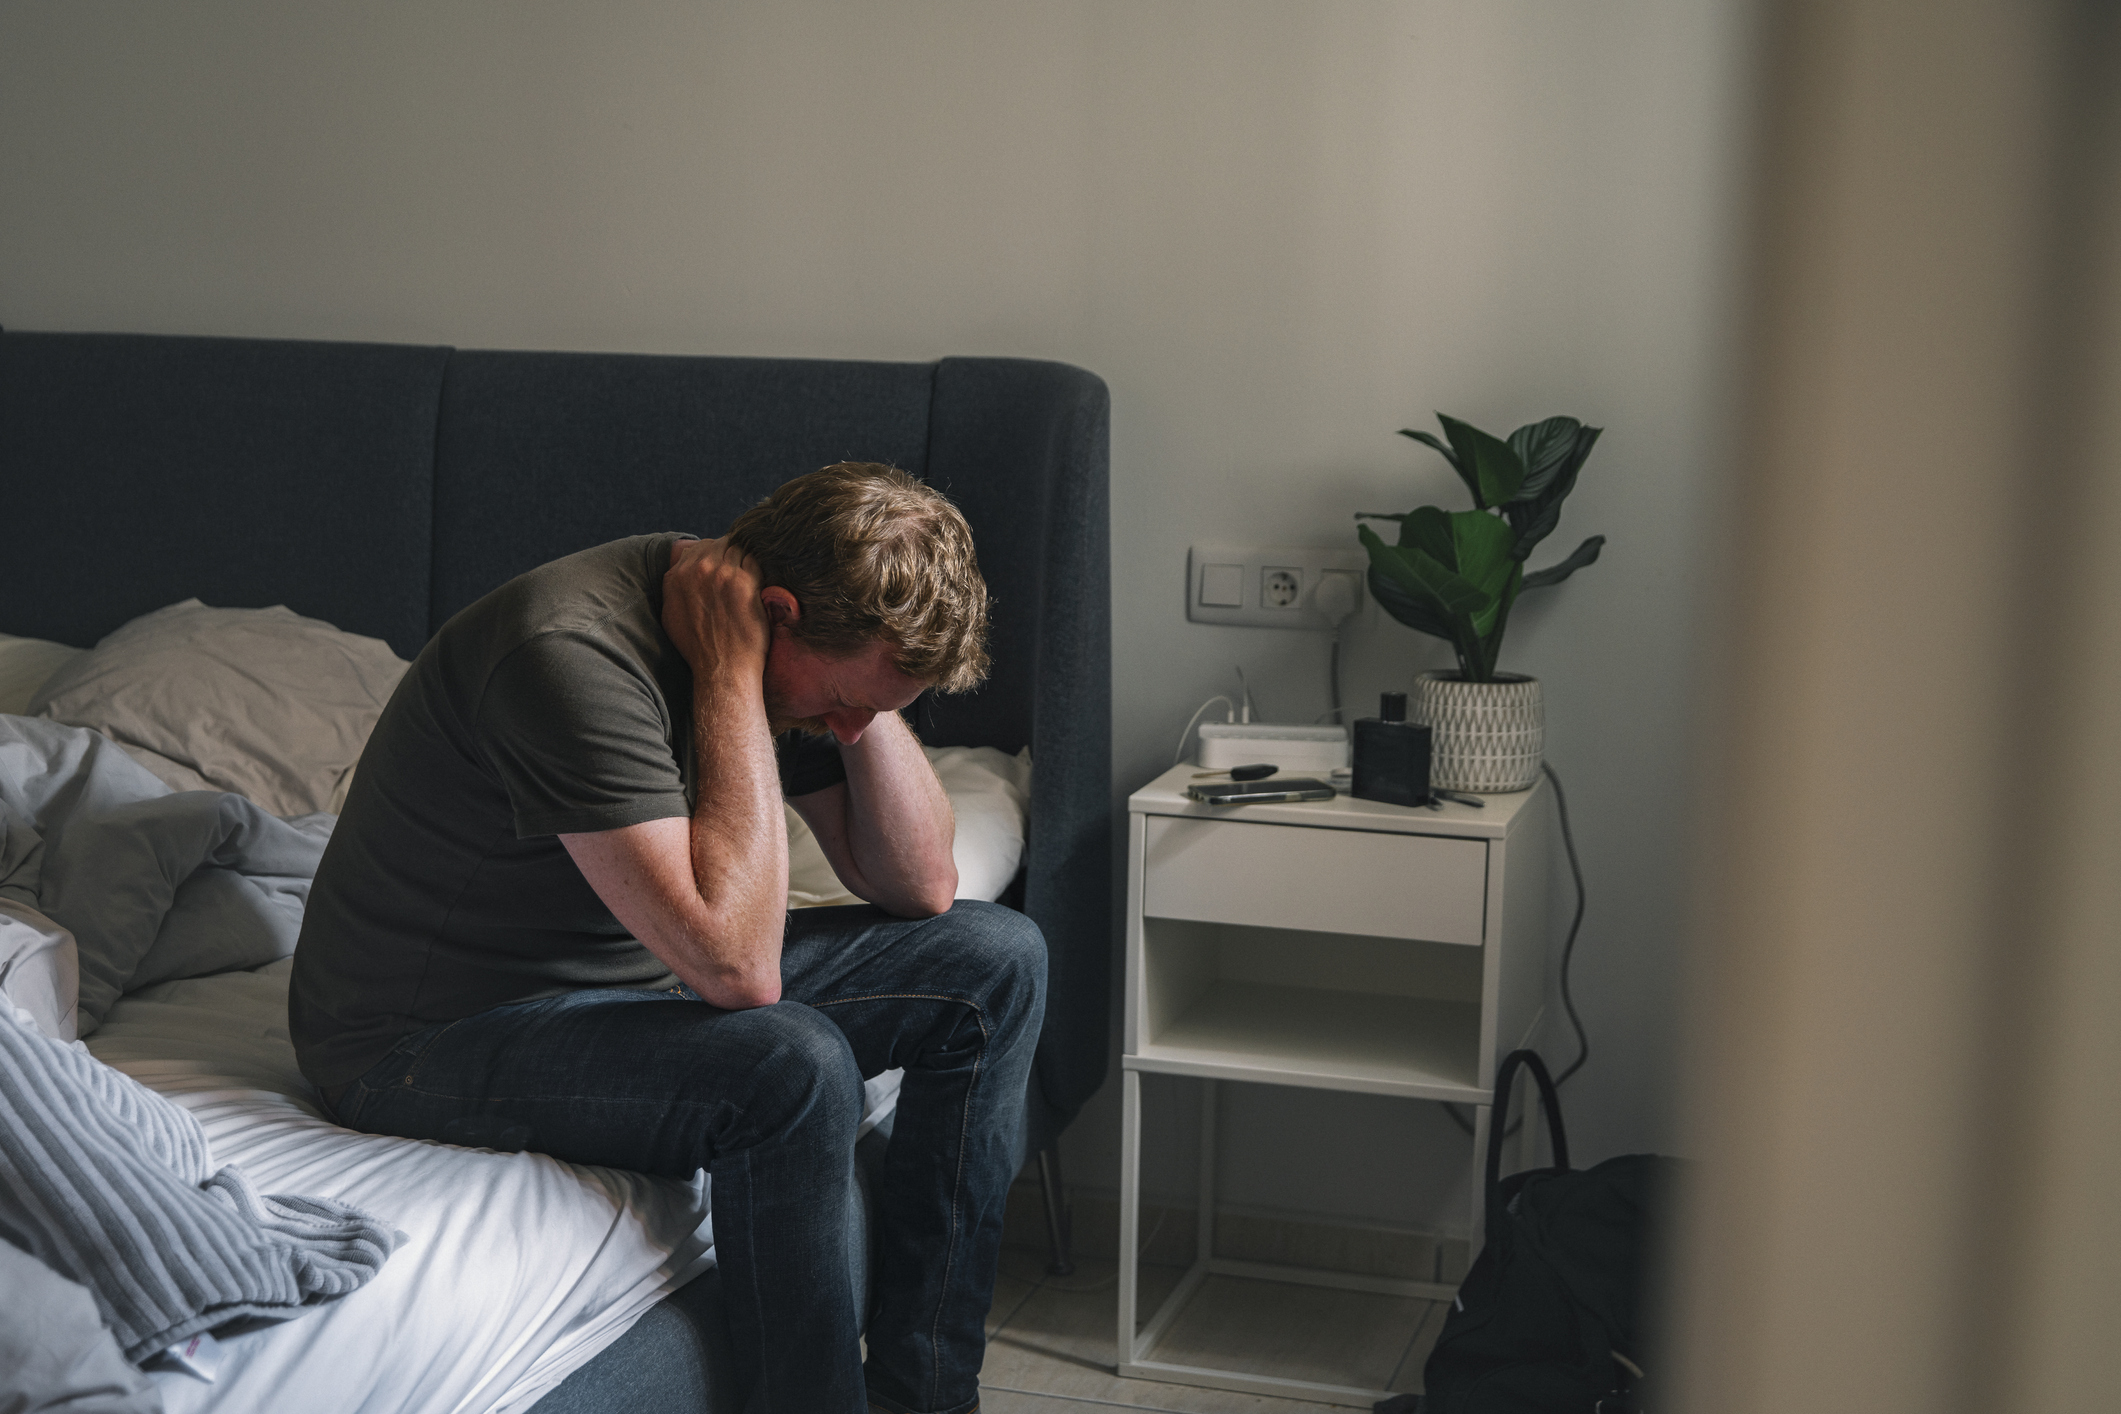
(1391, 755)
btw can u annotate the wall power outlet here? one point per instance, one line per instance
(1272, 586)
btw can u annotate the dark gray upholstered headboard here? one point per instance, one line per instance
(384, 487)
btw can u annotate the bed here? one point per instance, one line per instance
(380, 488)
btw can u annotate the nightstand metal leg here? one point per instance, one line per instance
(1135, 1346)
(1204, 1219)
(1130, 1190)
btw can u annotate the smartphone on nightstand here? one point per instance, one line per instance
(1268, 792)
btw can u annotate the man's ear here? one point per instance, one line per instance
(781, 606)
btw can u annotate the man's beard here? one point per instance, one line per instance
(778, 720)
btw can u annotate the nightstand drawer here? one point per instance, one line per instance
(1341, 881)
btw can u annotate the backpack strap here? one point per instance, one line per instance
(1499, 1122)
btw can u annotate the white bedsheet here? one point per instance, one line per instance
(517, 1268)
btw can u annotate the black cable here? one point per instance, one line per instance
(1568, 951)
(1333, 680)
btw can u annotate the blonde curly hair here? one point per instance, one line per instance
(873, 554)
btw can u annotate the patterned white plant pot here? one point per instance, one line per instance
(1488, 735)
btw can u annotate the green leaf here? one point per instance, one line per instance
(1439, 598)
(1533, 523)
(1422, 576)
(1426, 528)
(1482, 559)
(1429, 439)
(1486, 463)
(1537, 518)
(1480, 544)
(1416, 613)
(1429, 530)
(1463, 467)
(1543, 447)
(1586, 554)
(1565, 476)
(1491, 641)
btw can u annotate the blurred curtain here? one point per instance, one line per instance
(1906, 1003)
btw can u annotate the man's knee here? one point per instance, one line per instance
(1005, 949)
(803, 1071)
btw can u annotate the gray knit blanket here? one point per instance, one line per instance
(106, 1182)
(112, 1186)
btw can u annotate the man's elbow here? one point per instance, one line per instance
(758, 995)
(933, 897)
(743, 993)
(741, 986)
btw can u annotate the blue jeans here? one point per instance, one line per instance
(767, 1101)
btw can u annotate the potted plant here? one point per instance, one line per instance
(1456, 574)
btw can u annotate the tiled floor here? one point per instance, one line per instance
(1051, 1346)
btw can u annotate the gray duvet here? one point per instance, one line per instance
(153, 883)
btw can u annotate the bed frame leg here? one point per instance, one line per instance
(1057, 1224)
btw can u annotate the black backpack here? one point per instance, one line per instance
(1551, 1319)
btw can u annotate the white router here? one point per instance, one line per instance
(1291, 747)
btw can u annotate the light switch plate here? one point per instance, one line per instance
(1222, 586)
(1272, 586)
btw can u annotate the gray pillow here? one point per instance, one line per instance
(26, 664)
(262, 702)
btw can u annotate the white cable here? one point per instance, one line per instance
(1180, 754)
(1245, 688)
(1334, 600)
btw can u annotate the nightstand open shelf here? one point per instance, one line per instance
(1338, 1011)
(1420, 1050)
(1338, 945)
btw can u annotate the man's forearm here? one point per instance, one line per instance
(739, 843)
(899, 823)
(727, 926)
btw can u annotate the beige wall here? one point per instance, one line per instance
(1280, 231)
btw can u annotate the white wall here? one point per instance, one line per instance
(1279, 232)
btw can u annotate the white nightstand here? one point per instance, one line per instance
(1339, 945)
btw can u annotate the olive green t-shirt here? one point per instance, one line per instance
(554, 705)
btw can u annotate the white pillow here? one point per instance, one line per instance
(988, 793)
(26, 664)
(40, 970)
(262, 702)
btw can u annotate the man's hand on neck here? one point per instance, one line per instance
(713, 613)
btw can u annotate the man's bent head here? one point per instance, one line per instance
(873, 555)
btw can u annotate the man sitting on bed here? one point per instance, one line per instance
(554, 916)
